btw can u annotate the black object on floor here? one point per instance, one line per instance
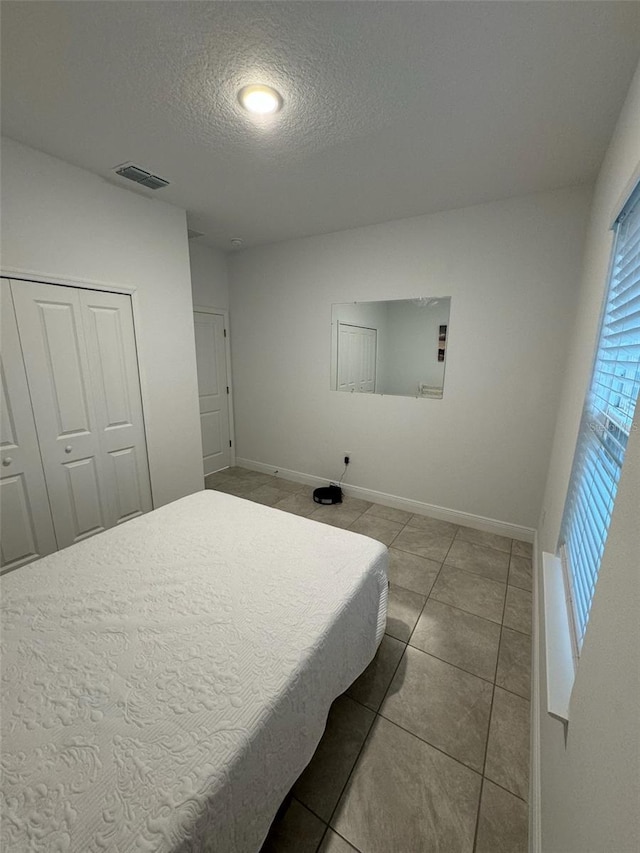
(328, 495)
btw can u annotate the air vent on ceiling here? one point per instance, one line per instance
(193, 234)
(140, 176)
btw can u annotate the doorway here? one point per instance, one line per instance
(214, 388)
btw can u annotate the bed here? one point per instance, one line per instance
(165, 683)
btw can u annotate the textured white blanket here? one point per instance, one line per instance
(164, 683)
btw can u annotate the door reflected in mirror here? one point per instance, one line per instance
(396, 346)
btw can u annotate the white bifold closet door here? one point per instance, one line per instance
(27, 527)
(82, 371)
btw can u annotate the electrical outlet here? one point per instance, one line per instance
(347, 457)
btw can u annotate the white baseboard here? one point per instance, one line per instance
(478, 522)
(535, 815)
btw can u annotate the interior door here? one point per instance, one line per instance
(27, 527)
(113, 365)
(212, 390)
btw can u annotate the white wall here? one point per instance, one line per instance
(61, 221)
(511, 268)
(209, 280)
(590, 783)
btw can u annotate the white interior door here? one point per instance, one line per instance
(357, 347)
(79, 355)
(213, 390)
(27, 527)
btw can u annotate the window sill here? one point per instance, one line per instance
(560, 666)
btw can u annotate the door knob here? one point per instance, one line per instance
(68, 448)
(7, 461)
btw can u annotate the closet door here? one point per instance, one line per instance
(113, 365)
(55, 356)
(27, 528)
(77, 348)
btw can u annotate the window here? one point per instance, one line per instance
(606, 421)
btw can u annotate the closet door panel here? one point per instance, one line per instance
(63, 367)
(85, 497)
(19, 542)
(27, 527)
(111, 347)
(53, 342)
(128, 474)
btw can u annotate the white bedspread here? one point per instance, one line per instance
(164, 683)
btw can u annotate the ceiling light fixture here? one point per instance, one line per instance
(260, 100)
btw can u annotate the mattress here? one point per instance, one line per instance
(165, 683)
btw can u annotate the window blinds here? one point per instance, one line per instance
(606, 420)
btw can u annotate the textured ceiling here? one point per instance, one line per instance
(391, 109)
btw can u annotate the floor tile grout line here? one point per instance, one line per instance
(454, 665)
(475, 834)
(327, 828)
(481, 574)
(353, 767)
(506, 689)
(460, 609)
(474, 574)
(397, 667)
(470, 612)
(428, 743)
(486, 745)
(515, 631)
(506, 790)
(346, 840)
(414, 553)
(395, 521)
(309, 809)
(411, 633)
(484, 766)
(478, 544)
(359, 702)
(523, 588)
(397, 534)
(493, 693)
(302, 803)
(322, 837)
(435, 580)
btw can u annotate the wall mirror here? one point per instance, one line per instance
(397, 346)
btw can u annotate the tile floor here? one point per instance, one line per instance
(428, 751)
